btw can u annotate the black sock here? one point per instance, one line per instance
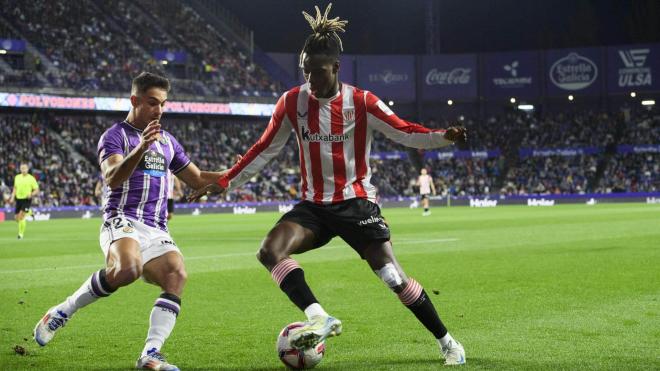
(426, 210)
(297, 290)
(426, 314)
(104, 282)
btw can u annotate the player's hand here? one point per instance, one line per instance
(150, 134)
(210, 189)
(458, 135)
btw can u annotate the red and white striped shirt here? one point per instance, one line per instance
(334, 139)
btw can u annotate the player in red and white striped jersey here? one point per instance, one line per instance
(334, 123)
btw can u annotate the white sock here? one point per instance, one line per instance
(161, 322)
(443, 341)
(90, 291)
(315, 310)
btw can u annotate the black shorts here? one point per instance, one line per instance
(170, 205)
(357, 221)
(22, 204)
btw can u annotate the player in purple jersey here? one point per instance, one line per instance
(135, 155)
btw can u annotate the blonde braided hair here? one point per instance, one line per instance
(324, 33)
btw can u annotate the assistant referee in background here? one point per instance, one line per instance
(25, 187)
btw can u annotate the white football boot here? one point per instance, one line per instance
(46, 327)
(315, 330)
(154, 360)
(454, 353)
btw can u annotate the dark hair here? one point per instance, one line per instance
(148, 80)
(324, 39)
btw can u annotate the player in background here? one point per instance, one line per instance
(426, 187)
(134, 156)
(174, 192)
(334, 123)
(25, 187)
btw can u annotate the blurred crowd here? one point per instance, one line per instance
(62, 178)
(61, 151)
(92, 46)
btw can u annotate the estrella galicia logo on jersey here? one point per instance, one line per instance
(307, 136)
(154, 164)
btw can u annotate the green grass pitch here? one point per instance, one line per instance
(564, 287)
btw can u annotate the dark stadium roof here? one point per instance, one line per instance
(398, 27)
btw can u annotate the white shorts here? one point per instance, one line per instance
(153, 241)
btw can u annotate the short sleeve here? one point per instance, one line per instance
(111, 143)
(179, 158)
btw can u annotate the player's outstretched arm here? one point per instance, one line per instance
(209, 189)
(201, 181)
(380, 117)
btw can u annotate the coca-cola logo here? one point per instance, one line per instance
(457, 76)
(388, 77)
(573, 72)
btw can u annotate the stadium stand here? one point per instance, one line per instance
(97, 53)
(62, 152)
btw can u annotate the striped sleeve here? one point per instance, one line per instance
(265, 149)
(179, 158)
(380, 117)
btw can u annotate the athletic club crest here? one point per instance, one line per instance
(349, 115)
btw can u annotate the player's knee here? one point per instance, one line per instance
(180, 275)
(391, 277)
(268, 254)
(124, 274)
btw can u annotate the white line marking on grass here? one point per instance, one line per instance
(220, 256)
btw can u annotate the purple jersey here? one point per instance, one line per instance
(143, 197)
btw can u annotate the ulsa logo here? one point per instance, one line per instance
(634, 73)
(388, 77)
(634, 57)
(573, 72)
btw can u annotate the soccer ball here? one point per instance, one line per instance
(298, 358)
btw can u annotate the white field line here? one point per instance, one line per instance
(219, 256)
